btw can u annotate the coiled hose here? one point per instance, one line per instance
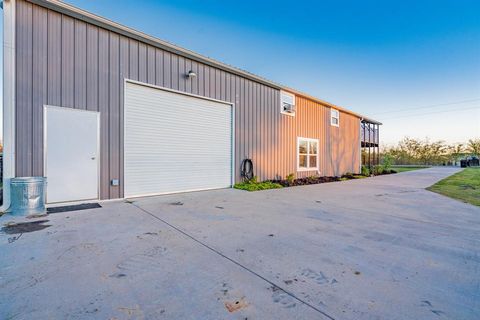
(247, 169)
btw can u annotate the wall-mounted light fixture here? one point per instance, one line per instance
(191, 74)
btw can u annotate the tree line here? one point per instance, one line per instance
(410, 151)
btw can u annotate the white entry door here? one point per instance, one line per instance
(71, 154)
(175, 142)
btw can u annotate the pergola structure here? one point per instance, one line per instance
(370, 143)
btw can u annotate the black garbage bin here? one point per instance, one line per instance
(474, 162)
(463, 163)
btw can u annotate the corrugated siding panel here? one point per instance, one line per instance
(68, 61)
(103, 103)
(114, 112)
(40, 83)
(24, 111)
(65, 62)
(92, 68)
(80, 63)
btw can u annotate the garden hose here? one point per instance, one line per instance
(247, 169)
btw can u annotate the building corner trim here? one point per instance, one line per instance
(8, 99)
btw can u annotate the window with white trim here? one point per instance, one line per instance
(334, 117)
(287, 103)
(307, 154)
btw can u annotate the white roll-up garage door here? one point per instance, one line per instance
(175, 142)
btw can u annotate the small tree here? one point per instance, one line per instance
(473, 146)
(387, 161)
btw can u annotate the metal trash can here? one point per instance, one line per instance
(27, 195)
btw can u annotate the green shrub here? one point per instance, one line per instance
(365, 171)
(254, 185)
(290, 178)
(387, 161)
(377, 170)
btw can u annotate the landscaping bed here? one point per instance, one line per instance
(290, 181)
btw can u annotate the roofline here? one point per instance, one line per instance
(99, 21)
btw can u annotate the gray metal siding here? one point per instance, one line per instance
(65, 62)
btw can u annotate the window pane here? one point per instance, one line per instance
(313, 161)
(302, 146)
(302, 161)
(334, 120)
(287, 98)
(313, 147)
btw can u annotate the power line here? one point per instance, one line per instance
(431, 106)
(434, 112)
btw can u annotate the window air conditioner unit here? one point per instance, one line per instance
(288, 108)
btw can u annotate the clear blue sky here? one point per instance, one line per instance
(374, 57)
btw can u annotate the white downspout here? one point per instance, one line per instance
(8, 99)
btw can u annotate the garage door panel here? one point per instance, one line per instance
(175, 142)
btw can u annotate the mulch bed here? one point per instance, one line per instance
(306, 181)
(317, 180)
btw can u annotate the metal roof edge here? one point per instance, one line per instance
(329, 104)
(105, 23)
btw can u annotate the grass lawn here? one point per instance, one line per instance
(403, 169)
(464, 186)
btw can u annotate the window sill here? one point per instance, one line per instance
(307, 169)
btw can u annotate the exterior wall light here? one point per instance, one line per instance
(191, 74)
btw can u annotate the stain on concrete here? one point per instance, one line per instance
(318, 277)
(15, 238)
(426, 303)
(282, 298)
(25, 227)
(429, 305)
(82, 248)
(118, 275)
(176, 203)
(437, 312)
(135, 312)
(233, 306)
(145, 261)
(151, 233)
(290, 281)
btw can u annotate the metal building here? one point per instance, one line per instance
(106, 112)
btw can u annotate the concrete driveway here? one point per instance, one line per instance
(379, 248)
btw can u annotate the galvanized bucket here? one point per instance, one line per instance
(27, 195)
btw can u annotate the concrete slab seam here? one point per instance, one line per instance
(233, 261)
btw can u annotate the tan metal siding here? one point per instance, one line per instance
(65, 62)
(339, 147)
(347, 139)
